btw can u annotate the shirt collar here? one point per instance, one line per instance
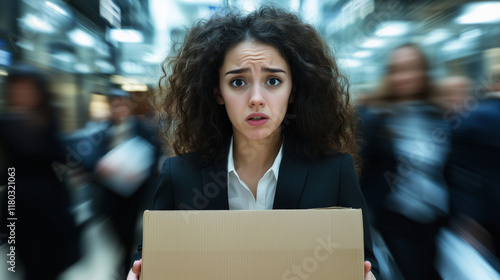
(274, 168)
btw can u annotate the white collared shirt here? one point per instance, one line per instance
(239, 195)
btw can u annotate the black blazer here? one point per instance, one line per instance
(473, 169)
(188, 184)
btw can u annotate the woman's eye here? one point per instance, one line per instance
(273, 82)
(237, 83)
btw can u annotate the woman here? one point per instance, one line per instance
(47, 239)
(256, 105)
(120, 202)
(405, 156)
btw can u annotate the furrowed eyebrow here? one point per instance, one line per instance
(237, 71)
(243, 70)
(273, 70)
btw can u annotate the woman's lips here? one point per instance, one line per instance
(257, 119)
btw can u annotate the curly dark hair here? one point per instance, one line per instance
(319, 120)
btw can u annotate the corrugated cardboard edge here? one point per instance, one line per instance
(145, 219)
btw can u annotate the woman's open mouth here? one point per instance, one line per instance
(257, 119)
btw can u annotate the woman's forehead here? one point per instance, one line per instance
(405, 54)
(250, 52)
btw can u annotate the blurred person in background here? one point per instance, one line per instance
(47, 239)
(452, 94)
(404, 122)
(473, 172)
(126, 172)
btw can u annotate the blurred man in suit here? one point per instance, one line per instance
(473, 170)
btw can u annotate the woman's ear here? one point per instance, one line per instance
(218, 96)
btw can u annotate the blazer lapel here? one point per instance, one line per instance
(291, 180)
(214, 187)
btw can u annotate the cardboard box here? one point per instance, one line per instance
(256, 245)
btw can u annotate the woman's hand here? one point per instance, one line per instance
(135, 272)
(368, 274)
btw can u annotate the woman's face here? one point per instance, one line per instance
(120, 108)
(24, 94)
(255, 86)
(406, 72)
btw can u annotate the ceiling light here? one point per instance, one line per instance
(81, 38)
(481, 12)
(373, 43)
(82, 68)
(362, 54)
(153, 58)
(37, 24)
(56, 8)
(393, 28)
(126, 35)
(347, 62)
(64, 57)
(454, 46)
(436, 36)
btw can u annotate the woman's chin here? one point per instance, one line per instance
(260, 135)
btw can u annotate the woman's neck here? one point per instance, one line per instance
(255, 154)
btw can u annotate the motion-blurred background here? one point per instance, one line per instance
(99, 60)
(89, 45)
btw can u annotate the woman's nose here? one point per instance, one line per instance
(256, 98)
